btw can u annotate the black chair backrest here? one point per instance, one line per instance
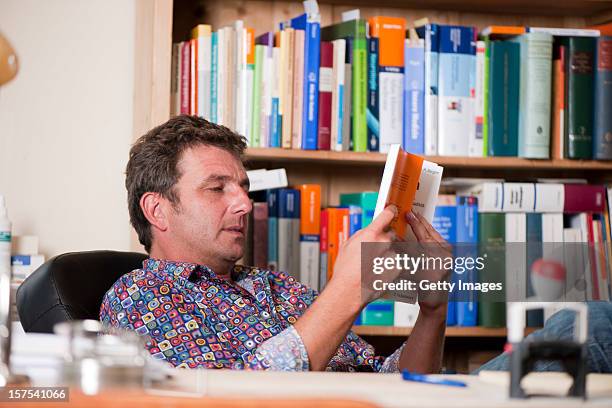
(71, 287)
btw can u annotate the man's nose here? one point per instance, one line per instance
(242, 202)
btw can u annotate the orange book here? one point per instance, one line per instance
(310, 209)
(411, 184)
(338, 228)
(502, 30)
(250, 37)
(604, 29)
(391, 32)
(558, 100)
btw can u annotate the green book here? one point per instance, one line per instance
(366, 200)
(378, 313)
(579, 111)
(503, 101)
(534, 95)
(485, 116)
(492, 233)
(256, 101)
(354, 31)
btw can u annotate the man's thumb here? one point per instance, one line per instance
(384, 218)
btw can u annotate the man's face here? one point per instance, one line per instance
(210, 221)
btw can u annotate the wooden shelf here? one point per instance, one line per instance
(378, 159)
(450, 331)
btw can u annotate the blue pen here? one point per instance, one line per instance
(408, 376)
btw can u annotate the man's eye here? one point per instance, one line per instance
(217, 189)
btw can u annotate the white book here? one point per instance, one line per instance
(516, 258)
(475, 144)
(222, 76)
(574, 265)
(241, 81)
(490, 196)
(298, 89)
(390, 108)
(193, 73)
(405, 314)
(275, 97)
(204, 60)
(267, 76)
(565, 32)
(580, 222)
(337, 94)
(427, 185)
(553, 250)
(549, 198)
(519, 197)
(263, 179)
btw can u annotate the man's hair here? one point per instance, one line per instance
(152, 166)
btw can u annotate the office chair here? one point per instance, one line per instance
(71, 287)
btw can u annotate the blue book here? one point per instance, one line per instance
(372, 106)
(310, 22)
(602, 129)
(355, 217)
(504, 76)
(430, 33)
(455, 119)
(213, 76)
(414, 98)
(467, 234)
(535, 318)
(289, 231)
(272, 199)
(445, 222)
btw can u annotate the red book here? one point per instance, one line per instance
(584, 198)
(324, 237)
(260, 235)
(185, 85)
(325, 95)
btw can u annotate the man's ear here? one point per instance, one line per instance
(154, 208)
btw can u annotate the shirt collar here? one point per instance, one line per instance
(177, 269)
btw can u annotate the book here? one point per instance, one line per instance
(475, 143)
(355, 219)
(298, 91)
(602, 127)
(339, 95)
(275, 113)
(310, 23)
(214, 84)
(515, 258)
(286, 86)
(584, 198)
(579, 69)
(455, 104)
(445, 222)
(414, 97)
(175, 80)
(257, 104)
(193, 76)
(272, 201)
(337, 233)
(260, 235)
(467, 239)
(263, 179)
(389, 33)
(534, 95)
(549, 198)
(564, 32)
(557, 131)
(354, 31)
(347, 99)
(492, 232)
(372, 117)
(410, 183)
(326, 89)
(202, 34)
(310, 227)
(535, 318)
(503, 101)
(405, 314)
(365, 200)
(289, 231)
(324, 240)
(378, 313)
(242, 46)
(518, 197)
(430, 34)
(185, 61)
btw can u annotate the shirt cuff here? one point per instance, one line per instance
(285, 351)
(391, 363)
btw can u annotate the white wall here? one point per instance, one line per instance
(66, 121)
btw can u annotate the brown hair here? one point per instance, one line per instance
(152, 166)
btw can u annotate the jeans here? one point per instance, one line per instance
(560, 326)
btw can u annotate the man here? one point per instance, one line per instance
(187, 196)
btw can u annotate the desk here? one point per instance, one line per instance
(340, 390)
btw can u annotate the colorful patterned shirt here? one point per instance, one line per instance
(192, 318)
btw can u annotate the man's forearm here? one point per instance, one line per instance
(423, 350)
(326, 323)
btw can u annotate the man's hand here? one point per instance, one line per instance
(347, 269)
(434, 246)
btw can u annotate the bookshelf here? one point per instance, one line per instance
(161, 22)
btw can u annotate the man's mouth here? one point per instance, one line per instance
(235, 229)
